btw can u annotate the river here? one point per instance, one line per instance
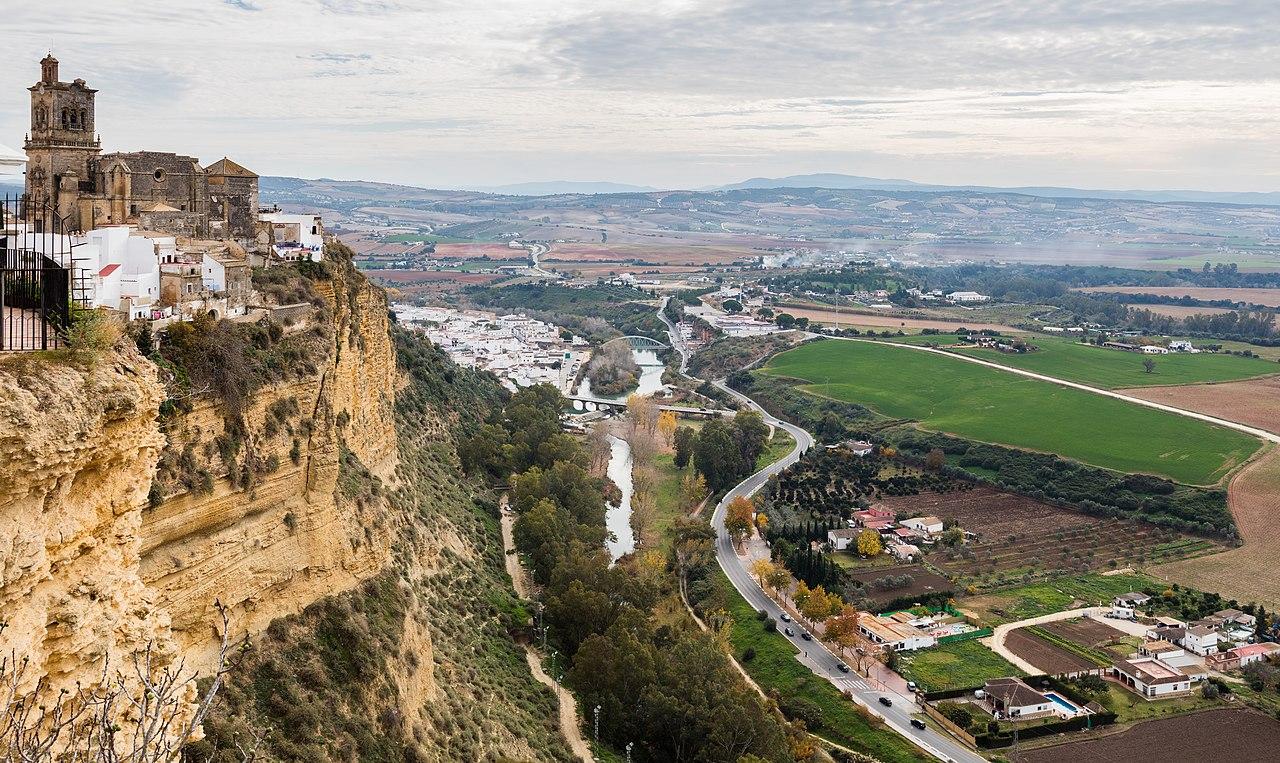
(651, 368)
(617, 518)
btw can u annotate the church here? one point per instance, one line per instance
(157, 191)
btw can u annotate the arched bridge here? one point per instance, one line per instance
(639, 342)
(582, 403)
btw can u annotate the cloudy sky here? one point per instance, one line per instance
(678, 93)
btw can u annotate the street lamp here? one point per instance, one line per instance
(596, 713)
(629, 746)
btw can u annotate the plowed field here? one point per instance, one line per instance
(1050, 658)
(1214, 735)
(1255, 402)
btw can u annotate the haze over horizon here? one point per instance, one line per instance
(1171, 95)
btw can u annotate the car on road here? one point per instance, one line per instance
(784, 617)
(806, 635)
(843, 668)
(789, 632)
(917, 723)
(911, 686)
(886, 702)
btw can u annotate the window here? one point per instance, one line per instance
(159, 174)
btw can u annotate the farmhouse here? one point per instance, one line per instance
(930, 525)
(1241, 656)
(895, 634)
(1121, 346)
(843, 538)
(967, 297)
(1150, 677)
(1011, 698)
(904, 552)
(1152, 349)
(1125, 605)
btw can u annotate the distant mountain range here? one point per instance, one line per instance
(558, 187)
(835, 181)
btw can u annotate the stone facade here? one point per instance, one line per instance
(161, 191)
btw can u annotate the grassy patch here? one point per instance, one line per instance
(1038, 599)
(955, 666)
(775, 669)
(949, 395)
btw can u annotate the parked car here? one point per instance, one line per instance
(917, 723)
(806, 636)
(843, 668)
(789, 632)
(911, 686)
(886, 702)
(784, 617)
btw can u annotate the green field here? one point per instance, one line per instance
(1112, 369)
(950, 395)
(1025, 602)
(774, 668)
(954, 666)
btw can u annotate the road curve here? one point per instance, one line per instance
(1259, 433)
(818, 658)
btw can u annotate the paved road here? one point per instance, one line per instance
(677, 343)
(1260, 433)
(536, 251)
(819, 659)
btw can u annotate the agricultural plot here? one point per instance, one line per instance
(1050, 657)
(884, 584)
(1114, 369)
(1255, 402)
(1018, 535)
(949, 395)
(1025, 602)
(1091, 637)
(1193, 738)
(958, 665)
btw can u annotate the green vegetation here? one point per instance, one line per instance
(721, 358)
(1044, 598)
(949, 395)
(1098, 657)
(1111, 369)
(774, 668)
(958, 665)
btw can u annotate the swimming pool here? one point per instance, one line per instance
(1062, 702)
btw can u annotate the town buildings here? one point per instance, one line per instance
(1151, 677)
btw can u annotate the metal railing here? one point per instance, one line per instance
(38, 280)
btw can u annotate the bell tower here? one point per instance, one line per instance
(61, 146)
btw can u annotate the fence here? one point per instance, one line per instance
(967, 636)
(36, 277)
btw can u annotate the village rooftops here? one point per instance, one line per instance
(1265, 649)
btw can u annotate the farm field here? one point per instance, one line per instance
(1089, 634)
(1268, 297)
(1017, 535)
(1049, 657)
(1114, 369)
(1036, 599)
(922, 582)
(1250, 572)
(1179, 311)
(949, 395)
(638, 255)
(1211, 735)
(958, 665)
(848, 318)
(1255, 402)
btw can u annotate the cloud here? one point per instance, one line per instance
(679, 92)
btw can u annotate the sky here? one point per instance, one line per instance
(1157, 94)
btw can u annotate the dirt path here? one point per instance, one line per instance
(996, 640)
(1250, 572)
(570, 724)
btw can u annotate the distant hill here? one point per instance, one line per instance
(11, 189)
(843, 182)
(558, 187)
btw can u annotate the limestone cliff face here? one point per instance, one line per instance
(293, 534)
(78, 445)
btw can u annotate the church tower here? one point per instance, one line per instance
(61, 147)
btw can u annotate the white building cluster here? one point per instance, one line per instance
(520, 350)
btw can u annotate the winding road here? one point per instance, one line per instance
(677, 343)
(817, 657)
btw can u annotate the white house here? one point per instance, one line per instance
(931, 525)
(296, 237)
(895, 632)
(843, 538)
(1150, 677)
(1125, 605)
(1154, 349)
(967, 297)
(1012, 698)
(904, 552)
(1201, 639)
(1182, 345)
